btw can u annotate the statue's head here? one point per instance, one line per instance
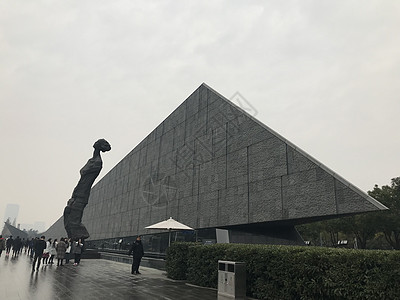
(102, 145)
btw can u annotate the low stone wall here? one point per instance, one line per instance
(146, 261)
(90, 254)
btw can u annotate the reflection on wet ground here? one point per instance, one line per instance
(92, 279)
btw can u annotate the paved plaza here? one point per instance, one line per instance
(92, 279)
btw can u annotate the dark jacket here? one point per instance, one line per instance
(9, 242)
(39, 246)
(136, 249)
(77, 248)
(2, 244)
(17, 244)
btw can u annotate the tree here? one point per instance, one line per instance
(389, 221)
(332, 228)
(311, 232)
(323, 233)
(363, 227)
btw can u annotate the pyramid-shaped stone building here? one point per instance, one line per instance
(210, 165)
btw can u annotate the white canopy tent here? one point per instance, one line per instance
(169, 225)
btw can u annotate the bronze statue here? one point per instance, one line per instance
(73, 212)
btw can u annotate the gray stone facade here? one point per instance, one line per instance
(210, 164)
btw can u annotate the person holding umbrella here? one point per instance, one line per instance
(137, 252)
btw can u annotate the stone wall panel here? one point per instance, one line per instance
(212, 164)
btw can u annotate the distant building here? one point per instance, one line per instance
(10, 230)
(11, 213)
(39, 226)
(26, 226)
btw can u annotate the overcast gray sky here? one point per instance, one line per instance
(324, 74)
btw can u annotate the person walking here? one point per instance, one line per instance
(9, 243)
(2, 244)
(61, 247)
(137, 253)
(53, 251)
(17, 244)
(46, 252)
(68, 243)
(30, 251)
(38, 248)
(25, 245)
(77, 250)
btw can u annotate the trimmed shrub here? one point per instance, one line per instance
(285, 272)
(203, 267)
(176, 260)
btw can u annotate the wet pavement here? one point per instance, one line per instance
(92, 279)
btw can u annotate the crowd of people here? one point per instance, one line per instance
(42, 251)
(17, 245)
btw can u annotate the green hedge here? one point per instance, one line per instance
(284, 272)
(176, 263)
